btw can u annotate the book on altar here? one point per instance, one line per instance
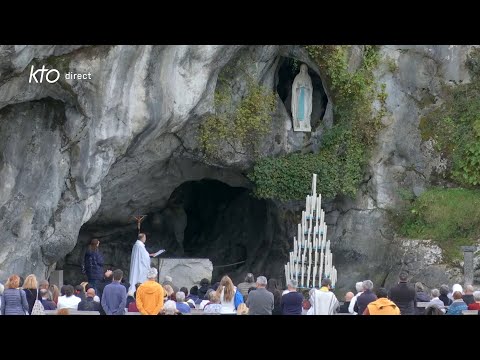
(161, 251)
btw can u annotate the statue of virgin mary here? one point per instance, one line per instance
(302, 91)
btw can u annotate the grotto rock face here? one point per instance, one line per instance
(413, 76)
(78, 158)
(202, 219)
(101, 150)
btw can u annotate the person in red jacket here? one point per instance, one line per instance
(476, 304)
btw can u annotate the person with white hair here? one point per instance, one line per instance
(170, 308)
(476, 304)
(150, 295)
(291, 303)
(455, 288)
(169, 281)
(359, 288)
(435, 300)
(365, 298)
(213, 306)
(182, 306)
(260, 301)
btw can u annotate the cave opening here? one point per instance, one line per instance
(288, 68)
(202, 219)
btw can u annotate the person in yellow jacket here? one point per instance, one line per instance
(382, 306)
(150, 295)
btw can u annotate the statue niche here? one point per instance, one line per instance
(302, 91)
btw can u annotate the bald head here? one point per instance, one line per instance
(348, 296)
(91, 292)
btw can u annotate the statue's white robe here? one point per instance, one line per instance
(302, 80)
(139, 265)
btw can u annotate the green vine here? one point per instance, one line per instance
(240, 126)
(455, 127)
(346, 146)
(450, 217)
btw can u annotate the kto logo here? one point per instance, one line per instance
(51, 78)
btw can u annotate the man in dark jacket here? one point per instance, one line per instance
(291, 303)
(88, 304)
(404, 296)
(45, 300)
(204, 286)
(365, 298)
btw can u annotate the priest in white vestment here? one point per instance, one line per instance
(139, 263)
(324, 301)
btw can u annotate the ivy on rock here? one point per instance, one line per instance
(345, 147)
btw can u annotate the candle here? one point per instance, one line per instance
(303, 222)
(325, 265)
(320, 270)
(313, 276)
(299, 229)
(329, 261)
(294, 248)
(302, 278)
(319, 206)
(311, 255)
(308, 276)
